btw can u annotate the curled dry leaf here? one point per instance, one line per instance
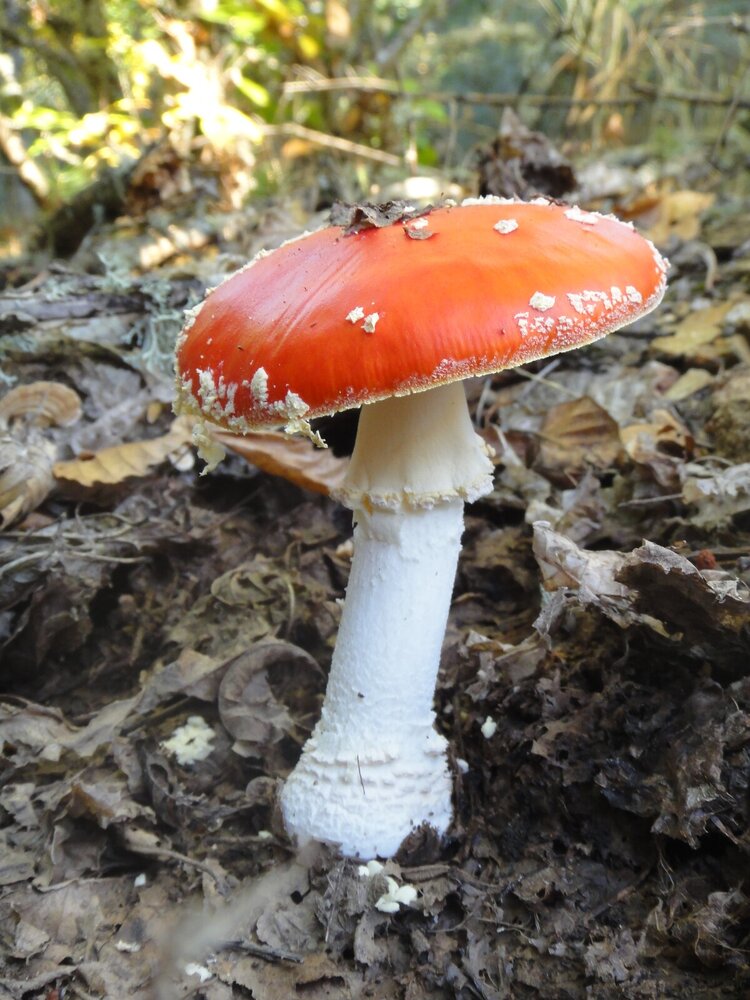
(25, 475)
(26, 454)
(672, 213)
(576, 435)
(716, 495)
(115, 465)
(523, 163)
(292, 458)
(663, 445)
(564, 565)
(364, 215)
(42, 404)
(249, 703)
(651, 586)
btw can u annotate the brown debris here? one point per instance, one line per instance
(356, 218)
(575, 436)
(294, 458)
(594, 680)
(523, 163)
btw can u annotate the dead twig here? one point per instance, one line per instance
(641, 93)
(264, 952)
(137, 846)
(295, 131)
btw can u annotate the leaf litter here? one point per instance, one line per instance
(165, 639)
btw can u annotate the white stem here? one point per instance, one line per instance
(375, 768)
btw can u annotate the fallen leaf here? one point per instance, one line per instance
(692, 381)
(576, 435)
(613, 957)
(16, 865)
(652, 586)
(191, 674)
(698, 328)
(678, 213)
(662, 445)
(523, 163)
(292, 458)
(364, 215)
(26, 478)
(250, 696)
(26, 453)
(717, 496)
(115, 465)
(41, 404)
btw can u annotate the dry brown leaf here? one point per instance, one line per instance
(641, 440)
(26, 455)
(575, 436)
(692, 381)
(43, 404)
(663, 444)
(652, 586)
(249, 707)
(295, 459)
(114, 465)
(697, 329)
(25, 475)
(679, 214)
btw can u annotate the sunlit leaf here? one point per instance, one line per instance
(253, 91)
(308, 46)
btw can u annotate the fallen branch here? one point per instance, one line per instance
(334, 142)
(641, 94)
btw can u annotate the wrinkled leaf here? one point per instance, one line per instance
(355, 218)
(41, 404)
(292, 458)
(652, 586)
(26, 477)
(119, 463)
(251, 710)
(698, 328)
(574, 436)
(716, 495)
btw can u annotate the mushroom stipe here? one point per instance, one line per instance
(380, 319)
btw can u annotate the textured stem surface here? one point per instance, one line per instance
(375, 767)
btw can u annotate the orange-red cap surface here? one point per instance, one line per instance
(331, 320)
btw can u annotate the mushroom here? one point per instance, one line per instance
(378, 317)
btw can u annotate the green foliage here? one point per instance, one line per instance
(90, 83)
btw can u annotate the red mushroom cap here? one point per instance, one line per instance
(332, 320)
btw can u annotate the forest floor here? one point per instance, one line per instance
(601, 621)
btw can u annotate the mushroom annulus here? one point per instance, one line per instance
(392, 318)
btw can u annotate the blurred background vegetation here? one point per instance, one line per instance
(339, 98)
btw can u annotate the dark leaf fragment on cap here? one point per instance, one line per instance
(355, 218)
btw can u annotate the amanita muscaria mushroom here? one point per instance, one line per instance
(394, 318)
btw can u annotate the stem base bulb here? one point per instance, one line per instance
(368, 806)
